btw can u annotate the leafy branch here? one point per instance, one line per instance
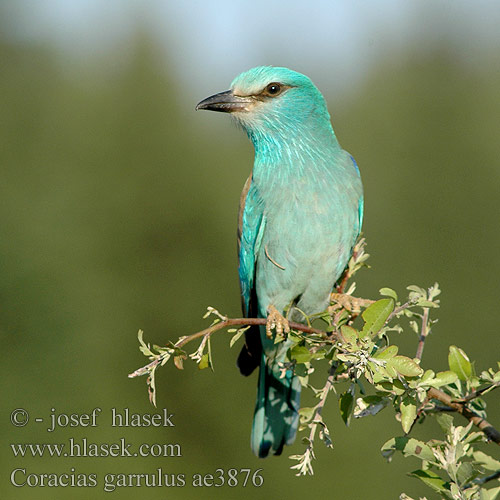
(354, 341)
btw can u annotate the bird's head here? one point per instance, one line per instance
(270, 101)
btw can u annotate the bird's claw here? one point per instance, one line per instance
(348, 302)
(275, 320)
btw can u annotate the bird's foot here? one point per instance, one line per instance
(275, 320)
(348, 302)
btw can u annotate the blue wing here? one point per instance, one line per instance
(250, 230)
(251, 224)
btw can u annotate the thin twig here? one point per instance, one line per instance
(491, 433)
(304, 465)
(225, 324)
(423, 333)
(319, 407)
(459, 407)
(482, 480)
(476, 394)
(491, 477)
(399, 309)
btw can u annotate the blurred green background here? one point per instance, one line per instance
(119, 211)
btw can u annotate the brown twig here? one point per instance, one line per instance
(423, 333)
(228, 322)
(399, 309)
(491, 433)
(432, 393)
(476, 394)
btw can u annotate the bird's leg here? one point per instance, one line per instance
(276, 320)
(348, 302)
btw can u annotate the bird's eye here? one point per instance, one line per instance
(273, 89)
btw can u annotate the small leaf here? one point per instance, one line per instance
(375, 316)
(491, 494)
(409, 447)
(300, 354)
(405, 366)
(395, 387)
(346, 404)
(486, 461)
(459, 363)
(427, 376)
(349, 333)
(443, 378)
(204, 363)
(387, 353)
(445, 422)
(178, 362)
(425, 303)
(408, 413)
(235, 337)
(306, 414)
(431, 479)
(389, 292)
(466, 472)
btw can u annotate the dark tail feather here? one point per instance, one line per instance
(251, 352)
(276, 415)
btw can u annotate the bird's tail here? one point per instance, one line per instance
(276, 415)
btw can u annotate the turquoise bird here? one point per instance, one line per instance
(300, 214)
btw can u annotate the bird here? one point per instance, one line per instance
(301, 211)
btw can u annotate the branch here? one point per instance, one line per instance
(304, 466)
(399, 309)
(476, 394)
(491, 477)
(322, 401)
(491, 433)
(423, 333)
(225, 323)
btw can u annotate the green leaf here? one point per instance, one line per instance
(306, 414)
(428, 375)
(389, 292)
(443, 378)
(408, 413)
(405, 366)
(300, 354)
(387, 353)
(486, 461)
(491, 494)
(349, 333)
(466, 473)
(375, 316)
(204, 362)
(345, 405)
(431, 479)
(459, 363)
(409, 447)
(395, 387)
(425, 303)
(445, 422)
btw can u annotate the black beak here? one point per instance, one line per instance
(226, 102)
